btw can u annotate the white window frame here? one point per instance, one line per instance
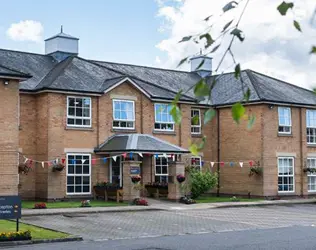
(196, 165)
(173, 124)
(196, 125)
(311, 175)
(308, 111)
(123, 120)
(78, 117)
(74, 174)
(285, 125)
(288, 175)
(162, 156)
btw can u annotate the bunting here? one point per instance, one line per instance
(212, 163)
(241, 164)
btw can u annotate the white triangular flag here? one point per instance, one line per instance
(83, 161)
(140, 154)
(56, 161)
(114, 157)
(241, 164)
(212, 163)
(43, 164)
(25, 160)
(164, 155)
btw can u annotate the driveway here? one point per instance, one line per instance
(125, 225)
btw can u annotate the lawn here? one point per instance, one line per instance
(72, 204)
(213, 199)
(37, 232)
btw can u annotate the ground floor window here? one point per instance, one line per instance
(286, 174)
(78, 173)
(161, 167)
(196, 162)
(311, 163)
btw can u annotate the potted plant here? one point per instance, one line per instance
(24, 168)
(136, 178)
(309, 170)
(180, 178)
(140, 202)
(255, 170)
(58, 167)
(187, 200)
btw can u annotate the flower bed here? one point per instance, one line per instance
(40, 205)
(140, 202)
(14, 236)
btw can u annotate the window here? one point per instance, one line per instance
(196, 162)
(311, 126)
(123, 114)
(78, 111)
(284, 120)
(163, 119)
(78, 174)
(286, 174)
(161, 166)
(311, 163)
(195, 121)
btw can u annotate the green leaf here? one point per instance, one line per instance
(182, 61)
(209, 115)
(215, 48)
(251, 121)
(177, 97)
(195, 120)
(284, 7)
(202, 144)
(239, 34)
(201, 88)
(237, 71)
(297, 25)
(200, 65)
(209, 39)
(247, 95)
(207, 18)
(194, 149)
(238, 111)
(227, 25)
(230, 5)
(185, 39)
(176, 114)
(313, 50)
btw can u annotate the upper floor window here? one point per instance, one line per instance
(195, 121)
(196, 162)
(78, 111)
(123, 114)
(311, 126)
(284, 120)
(163, 119)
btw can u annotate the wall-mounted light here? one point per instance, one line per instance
(6, 82)
(271, 106)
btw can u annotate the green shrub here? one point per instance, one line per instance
(200, 182)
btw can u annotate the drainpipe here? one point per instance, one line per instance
(301, 152)
(218, 152)
(98, 121)
(141, 115)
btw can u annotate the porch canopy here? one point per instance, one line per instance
(138, 143)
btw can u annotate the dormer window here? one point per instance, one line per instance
(285, 123)
(78, 111)
(123, 114)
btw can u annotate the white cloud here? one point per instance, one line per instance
(272, 44)
(27, 30)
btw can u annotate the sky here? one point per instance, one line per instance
(146, 32)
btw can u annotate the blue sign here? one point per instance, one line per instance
(10, 207)
(135, 170)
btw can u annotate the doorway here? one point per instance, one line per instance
(116, 171)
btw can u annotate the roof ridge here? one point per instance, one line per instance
(26, 52)
(249, 74)
(66, 62)
(142, 66)
(274, 78)
(14, 70)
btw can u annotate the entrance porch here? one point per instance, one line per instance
(156, 161)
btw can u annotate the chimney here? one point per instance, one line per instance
(205, 69)
(61, 46)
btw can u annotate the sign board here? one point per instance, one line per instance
(135, 170)
(10, 207)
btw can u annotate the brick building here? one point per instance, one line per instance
(80, 110)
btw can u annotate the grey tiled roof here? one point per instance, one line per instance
(138, 143)
(62, 34)
(81, 75)
(5, 71)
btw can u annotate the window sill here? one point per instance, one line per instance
(311, 145)
(197, 135)
(122, 130)
(284, 135)
(79, 128)
(164, 132)
(286, 193)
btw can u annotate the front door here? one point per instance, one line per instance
(116, 171)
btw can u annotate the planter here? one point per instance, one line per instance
(24, 168)
(255, 171)
(180, 178)
(309, 170)
(136, 178)
(58, 168)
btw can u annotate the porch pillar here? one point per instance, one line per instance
(130, 168)
(174, 191)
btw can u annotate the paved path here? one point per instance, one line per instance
(124, 225)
